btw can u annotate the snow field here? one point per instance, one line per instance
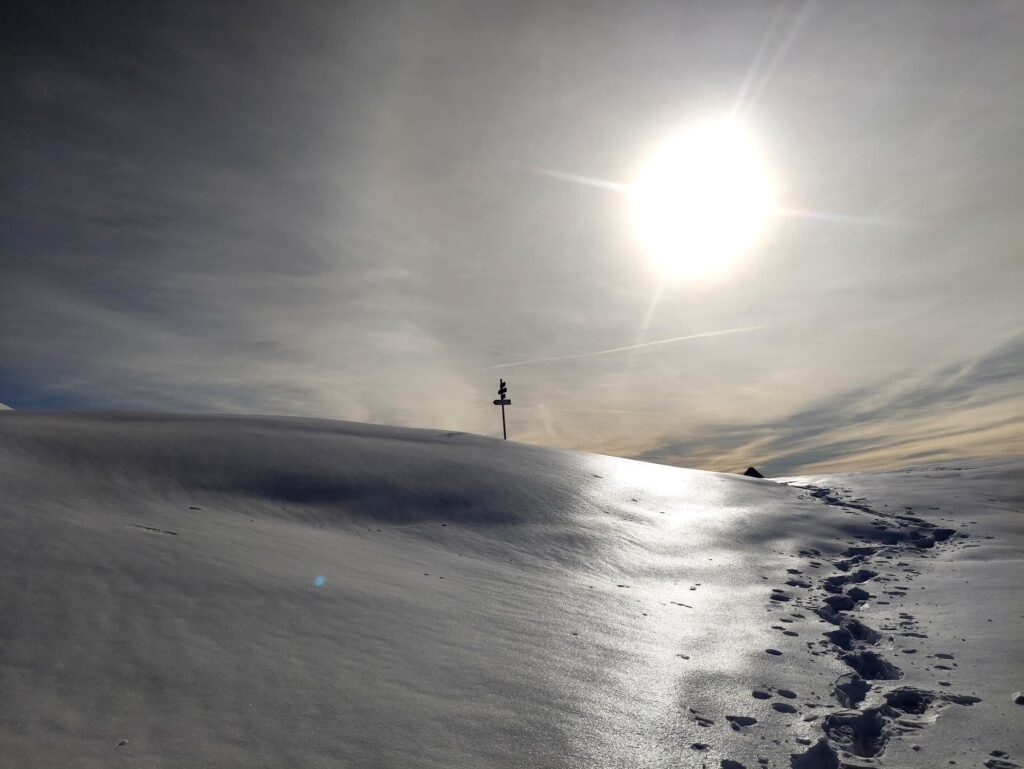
(249, 591)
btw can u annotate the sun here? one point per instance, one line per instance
(702, 199)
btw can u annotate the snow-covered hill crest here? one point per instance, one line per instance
(241, 591)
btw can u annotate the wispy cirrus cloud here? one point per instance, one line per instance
(335, 210)
(975, 407)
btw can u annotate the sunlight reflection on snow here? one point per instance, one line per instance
(658, 487)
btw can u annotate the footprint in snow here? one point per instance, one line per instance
(963, 699)
(999, 763)
(738, 722)
(703, 720)
(156, 531)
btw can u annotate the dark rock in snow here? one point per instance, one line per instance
(752, 472)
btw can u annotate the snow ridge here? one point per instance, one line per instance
(263, 591)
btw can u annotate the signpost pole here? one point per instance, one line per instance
(503, 402)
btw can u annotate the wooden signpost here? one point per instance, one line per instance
(503, 402)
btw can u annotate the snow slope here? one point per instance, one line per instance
(266, 592)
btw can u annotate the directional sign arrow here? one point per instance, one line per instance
(503, 402)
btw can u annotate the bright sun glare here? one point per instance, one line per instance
(702, 199)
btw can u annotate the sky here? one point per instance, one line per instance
(372, 211)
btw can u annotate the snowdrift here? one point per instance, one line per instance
(242, 591)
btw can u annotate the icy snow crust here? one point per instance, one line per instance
(266, 592)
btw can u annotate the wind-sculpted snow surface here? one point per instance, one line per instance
(265, 592)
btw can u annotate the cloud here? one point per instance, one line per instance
(885, 423)
(333, 210)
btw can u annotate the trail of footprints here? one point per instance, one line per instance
(856, 731)
(852, 731)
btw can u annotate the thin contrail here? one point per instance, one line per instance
(594, 354)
